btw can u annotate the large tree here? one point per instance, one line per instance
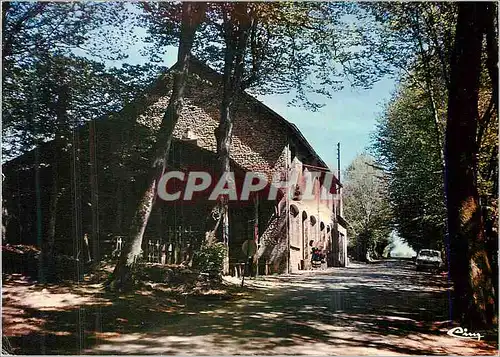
(49, 92)
(303, 48)
(39, 43)
(192, 16)
(411, 158)
(366, 207)
(419, 40)
(51, 101)
(470, 268)
(416, 40)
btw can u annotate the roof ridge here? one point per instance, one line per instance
(291, 126)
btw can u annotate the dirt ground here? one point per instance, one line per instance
(385, 308)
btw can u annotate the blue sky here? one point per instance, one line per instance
(348, 117)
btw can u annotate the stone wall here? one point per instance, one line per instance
(260, 143)
(259, 139)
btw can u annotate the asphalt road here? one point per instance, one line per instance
(386, 308)
(383, 308)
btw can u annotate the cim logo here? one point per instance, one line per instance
(459, 332)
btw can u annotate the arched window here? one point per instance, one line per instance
(294, 229)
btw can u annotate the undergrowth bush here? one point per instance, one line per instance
(210, 258)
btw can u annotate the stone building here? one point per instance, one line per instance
(109, 155)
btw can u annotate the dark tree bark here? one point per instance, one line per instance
(94, 194)
(490, 214)
(474, 296)
(42, 274)
(54, 198)
(48, 249)
(238, 22)
(192, 15)
(61, 108)
(492, 49)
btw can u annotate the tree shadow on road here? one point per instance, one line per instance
(346, 311)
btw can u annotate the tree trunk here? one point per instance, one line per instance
(61, 112)
(237, 25)
(42, 275)
(364, 251)
(192, 15)
(54, 197)
(49, 245)
(474, 296)
(94, 194)
(492, 67)
(131, 252)
(223, 135)
(492, 49)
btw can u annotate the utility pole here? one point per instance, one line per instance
(338, 161)
(339, 193)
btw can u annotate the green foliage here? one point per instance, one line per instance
(48, 90)
(59, 93)
(406, 147)
(30, 29)
(366, 207)
(210, 258)
(308, 49)
(417, 39)
(414, 38)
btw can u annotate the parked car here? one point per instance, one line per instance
(429, 259)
